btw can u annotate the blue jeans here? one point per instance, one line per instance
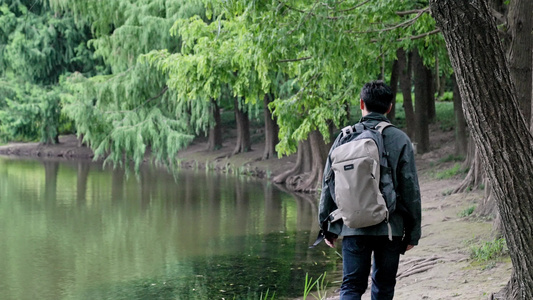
(357, 255)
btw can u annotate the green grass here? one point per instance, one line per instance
(452, 158)
(452, 172)
(490, 250)
(467, 211)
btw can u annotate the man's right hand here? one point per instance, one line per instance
(330, 241)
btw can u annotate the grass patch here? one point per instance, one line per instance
(467, 211)
(488, 251)
(445, 116)
(452, 158)
(451, 172)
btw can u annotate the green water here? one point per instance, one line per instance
(73, 230)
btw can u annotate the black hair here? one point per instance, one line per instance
(377, 96)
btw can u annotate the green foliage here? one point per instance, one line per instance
(124, 114)
(489, 250)
(452, 158)
(326, 52)
(30, 113)
(165, 62)
(467, 211)
(445, 115)
(318, 284)
(37, 48)
(447, 96)
(451, 172)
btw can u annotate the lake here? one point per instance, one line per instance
(76, 230)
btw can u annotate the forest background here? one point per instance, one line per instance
(137, 80)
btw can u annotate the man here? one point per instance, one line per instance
(359, 244)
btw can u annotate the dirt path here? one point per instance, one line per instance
(438, 268)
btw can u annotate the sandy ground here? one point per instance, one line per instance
(440, 267)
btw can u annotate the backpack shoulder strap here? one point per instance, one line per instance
(382, 125)
(347, 130)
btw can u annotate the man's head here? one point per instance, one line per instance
(376, 96)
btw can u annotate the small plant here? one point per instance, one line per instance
(450, 173)
(489, 250)
(318, 283)
(467, 212)
(452, 158)
(266, 295)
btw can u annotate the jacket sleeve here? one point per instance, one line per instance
(409, 193)
(327, 202)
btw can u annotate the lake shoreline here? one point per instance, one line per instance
(195, 156)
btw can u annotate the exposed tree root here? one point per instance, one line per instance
(419, 265)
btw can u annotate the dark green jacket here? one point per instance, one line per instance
(406, 218)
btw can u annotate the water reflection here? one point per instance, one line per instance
(73, 230)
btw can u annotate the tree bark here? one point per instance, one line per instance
(244, 141)
(432, 111)
(421, 104)
(318, 160)
(404, 67)
(461, 140)
(497, 125)
(394, 87)
(302, 165)
(306, 175)
(475, 177)
(215, 131)
(271, 130)
(520, 24)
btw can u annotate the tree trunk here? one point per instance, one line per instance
(520, 24)
(271, 130)
(432, 112)
(475, 177)
(244, 141)
(302, 165)
(404, 67)
(461, 140)
(305, 176)
(394, 87)
(318, 160)
(421, 104)
(497, 125)
(215, 131)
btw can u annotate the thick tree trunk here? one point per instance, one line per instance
(244, 141)
(318, 160)
(271, 130)
(422, 100)
(302, 165)
(305, 176)
(404, 67)
(215, 132)
(461, 140)
(394, 87)
(497, 125)
(520, 24)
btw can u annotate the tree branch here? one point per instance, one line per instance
(403, 24)
(352, 8)
(414, 37)
(295, 59)
(411, 12)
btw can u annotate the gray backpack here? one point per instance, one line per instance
(363, 187)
